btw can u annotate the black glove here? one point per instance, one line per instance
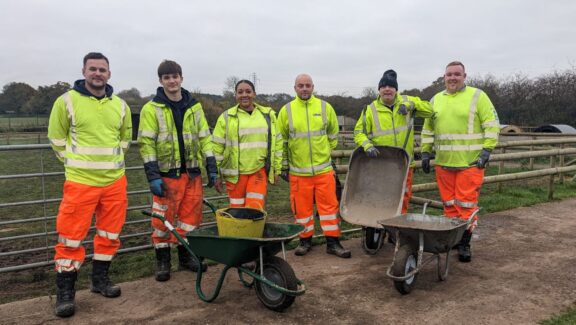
(426, 162)
(405, 107)
(212, 179)
(483, 159)
(285, 175)
(372, 152)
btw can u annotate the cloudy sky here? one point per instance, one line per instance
(344, 45)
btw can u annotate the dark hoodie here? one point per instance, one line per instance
(178, 110)
(80, 86)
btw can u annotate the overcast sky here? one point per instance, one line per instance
(344, 45)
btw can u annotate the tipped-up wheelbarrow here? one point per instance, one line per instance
(276, 284)
(417, 234)
(373, 191)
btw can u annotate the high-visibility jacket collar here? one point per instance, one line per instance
(80, 86)
(461, 90)
(396, 100)
(233, 111)
(304, 102)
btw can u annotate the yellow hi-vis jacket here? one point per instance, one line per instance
(158, 138)
(310, 132)
(390, 128)
(462, 125)
(243, 143)
(90, 136)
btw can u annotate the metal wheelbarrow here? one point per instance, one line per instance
(417, 234)
(373, 191)
(276, 284)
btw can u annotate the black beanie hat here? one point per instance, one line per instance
(389, 79)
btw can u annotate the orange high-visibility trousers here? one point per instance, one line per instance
(459, 191)
(182, 199)
(407, 191)
(304, 190)
(249, 191)
(79, 203)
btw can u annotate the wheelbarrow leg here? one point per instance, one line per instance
(442, 275)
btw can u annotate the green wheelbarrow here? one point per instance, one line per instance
(276, 284)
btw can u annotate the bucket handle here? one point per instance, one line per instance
(228, 215)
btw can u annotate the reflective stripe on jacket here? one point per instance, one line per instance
(462, 125)
(310, 132)
(390, 128)
(90, 136)
(240, 142)
(158, 138)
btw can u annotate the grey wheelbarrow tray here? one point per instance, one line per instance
(233, 252)
(373, 191)
(417, 234)
(374, 187)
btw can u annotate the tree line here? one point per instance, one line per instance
(518, 99)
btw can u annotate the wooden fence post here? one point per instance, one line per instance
(561, 163)
(551, 180)
(531, 165)
(500, 171)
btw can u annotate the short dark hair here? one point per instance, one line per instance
(169, 67)
(95, 56)
(244, 81)
(453, 63)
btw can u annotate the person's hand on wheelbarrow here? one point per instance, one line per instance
(372, 152)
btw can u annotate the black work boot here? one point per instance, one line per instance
(163, 264)
(304, 247)
(187, 262)
(464, 253)
(65, 293)
(101, 282)
(334, 247)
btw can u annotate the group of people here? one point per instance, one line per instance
(90, 131)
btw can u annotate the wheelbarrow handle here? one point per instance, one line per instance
(474, 214)
(209, 205)
(173, 231)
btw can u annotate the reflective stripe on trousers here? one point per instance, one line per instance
(183, 198)
(459, 190)
(304, 190)
(249, 191)
(79, 204)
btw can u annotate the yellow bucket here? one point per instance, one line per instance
(241, 222)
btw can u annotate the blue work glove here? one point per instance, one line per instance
(426, 162)
(405, 107)
(372, 152)
(285, 175)
(157, 187)
(483, 159)
(212, 179)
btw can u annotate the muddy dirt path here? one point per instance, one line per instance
(523, 271)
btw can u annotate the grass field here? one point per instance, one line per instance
(15, 123)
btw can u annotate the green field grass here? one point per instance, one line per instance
(17, 122)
